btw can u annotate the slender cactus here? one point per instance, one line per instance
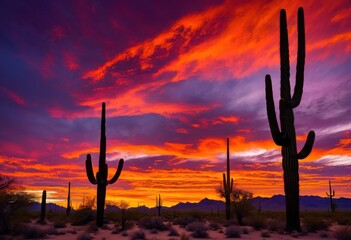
(228, 186)
(68, 210)
(286, 137)
(101, 176)
(159, 204)
(331, 195)
(43, 208)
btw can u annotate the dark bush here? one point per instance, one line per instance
(137, 235)
(198, 229)
(265, 234)
(233, 232)
(173, 232)
(343, 233)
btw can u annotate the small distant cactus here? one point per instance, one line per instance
(227, 186)
(159, 204)
(331, 195)
(101, 176)
(68, 210)
(43, 208)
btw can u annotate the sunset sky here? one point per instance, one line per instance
(178, 77)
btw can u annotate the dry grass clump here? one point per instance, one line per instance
(257, 222)
(233, 232)
(314, 224)
(214, 226)
(173, 232)
(84, 236)
(198, 229)
(153, 223)
(343, 233)
(140, 235)
(265, 234)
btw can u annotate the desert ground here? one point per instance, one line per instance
(90, 231)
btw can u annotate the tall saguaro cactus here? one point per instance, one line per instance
(101, 176)
(286, 136)
(159, 204)
(43, 208)
(331, 195)
(68, 210)
(228, 186)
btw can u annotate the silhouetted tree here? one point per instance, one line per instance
(12, 198)
(241, 204)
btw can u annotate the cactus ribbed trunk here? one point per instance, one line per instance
(68, 210)
(43, 208)
(102, 174)
(286, 137)
(228, 186)
(159, 204)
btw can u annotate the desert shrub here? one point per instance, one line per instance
(344, 220)
(153, 223)
(324, 235)
(118, 228)
(314, 223)
(81, 217)
(198, 229)
(265, 234)
(33, 233)
(184, 236)
(274, 225)
(257, 222)
(92, 228)
(245, 230)
(191, 227)
(295, 234)
(173, 232)
(59, 224)
(183, 220)
(84, 236)
(124, 234)
(233, 232)
(343, 233)
(214, 226)
(137, 235)
(153, 231)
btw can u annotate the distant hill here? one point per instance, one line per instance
(277, 202)
(274, 203)
(35, 206)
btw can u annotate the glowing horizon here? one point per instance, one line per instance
(178, 78)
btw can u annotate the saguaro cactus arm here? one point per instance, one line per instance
(307, 148)
(89, 170)
(118, 172)
(284, 58)
(277, 135)
(300, 66)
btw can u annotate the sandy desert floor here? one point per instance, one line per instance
(76, 232)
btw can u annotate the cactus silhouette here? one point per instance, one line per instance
(331, 195)
(102, 174)
(43, 208)
(68, 210)
(286, 137)
(159, 204)
(227, 186)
